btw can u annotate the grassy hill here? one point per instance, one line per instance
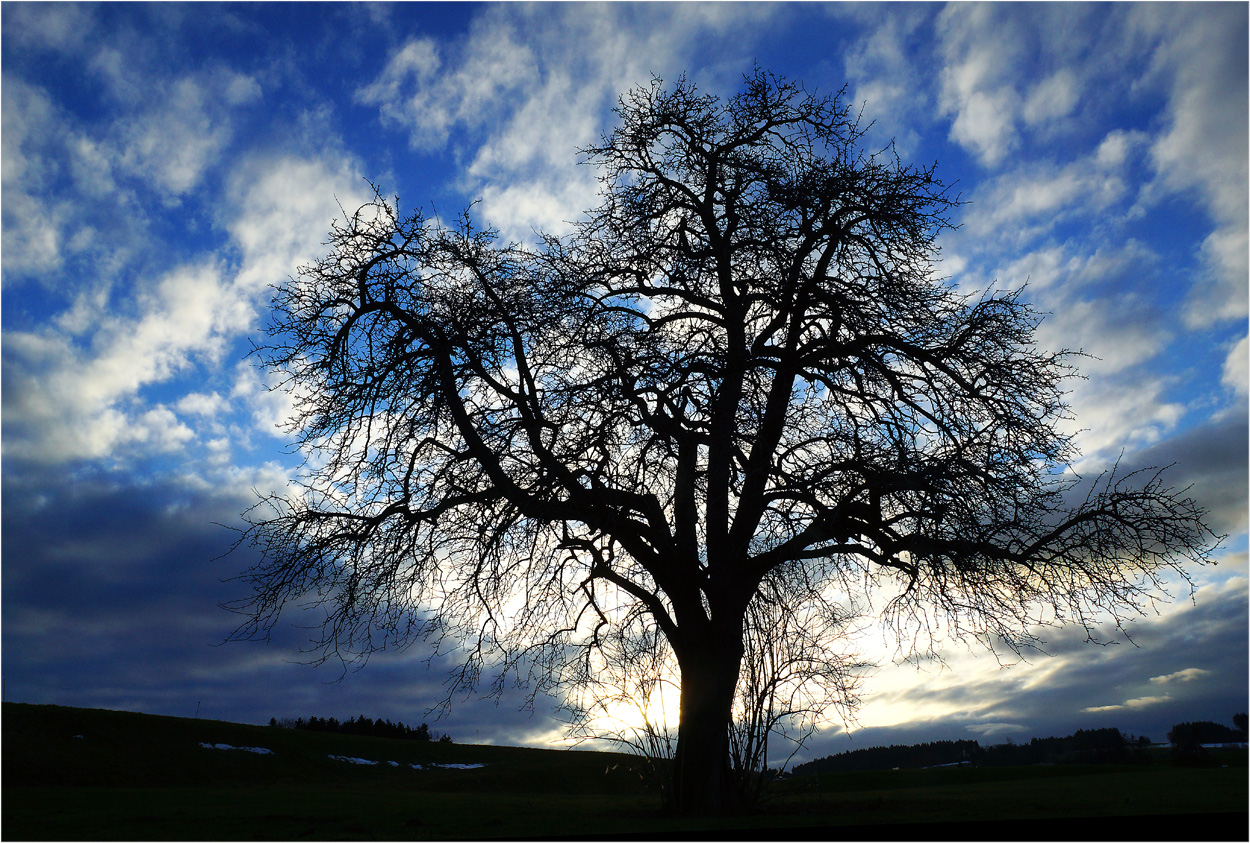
(58, 746)
(74, 774)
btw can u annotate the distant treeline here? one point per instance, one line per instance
(1189, 735)
(1086, 746)
(889, 757)
(361, 726)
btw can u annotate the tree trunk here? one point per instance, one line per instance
(702, 782)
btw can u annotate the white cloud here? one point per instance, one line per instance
(991, 729)
(200, 404)
(33, 235)
(168, 129)
(1189, 674)
(280, 210)
(1144, 702)
(158, 429)
(81, 398)
(71, 401)
(1117, 337)
(1055, 96)
(516, 208)
(1124, 413)
(410, 92)
(525, 94)
(1025, 203)
(1236, 375)
(1115, 148)
(1040, 269)
(223, 477)
(1139, 702)
(56, 26)
(175, 146)
(883, 72)
(980, 47)
(1201, 59)
(181, 129)
(270, 408)
(77, 193)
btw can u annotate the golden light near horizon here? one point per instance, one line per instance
(653, 712)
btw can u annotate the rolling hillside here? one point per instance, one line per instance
(59, 746)
(89, 774)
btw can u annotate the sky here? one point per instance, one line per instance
(164, 165)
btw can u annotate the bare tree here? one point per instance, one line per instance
(795, 673)
(740, 362)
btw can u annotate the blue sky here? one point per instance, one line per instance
(164, 164)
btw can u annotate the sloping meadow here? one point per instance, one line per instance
(55, 746)
(89, 774)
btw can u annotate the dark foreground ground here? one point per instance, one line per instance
(86, 774)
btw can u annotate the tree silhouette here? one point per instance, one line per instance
(741, 363)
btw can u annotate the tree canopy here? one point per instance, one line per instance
(738, 379)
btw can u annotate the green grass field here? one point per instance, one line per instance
(74, 774)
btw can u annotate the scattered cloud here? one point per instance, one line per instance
(980, 50)
(200, 404)
(60, 27)
(518, 95)
(278, 211)
(989, 730)
(1189, 674)
(1200, 61)
(1140, 702)
(881, 69)
(66, 401)
(177, 133)
(33, 236)
(1054, 96)
(1028, 202)
(412, 93)
(1235, 375)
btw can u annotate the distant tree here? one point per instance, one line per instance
(1239, 721)
(741, 361)
(1188, 736)
(356, 726)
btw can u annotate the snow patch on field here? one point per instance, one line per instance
(350, 760)
(259, 750)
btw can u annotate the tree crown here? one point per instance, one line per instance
(739, 369)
